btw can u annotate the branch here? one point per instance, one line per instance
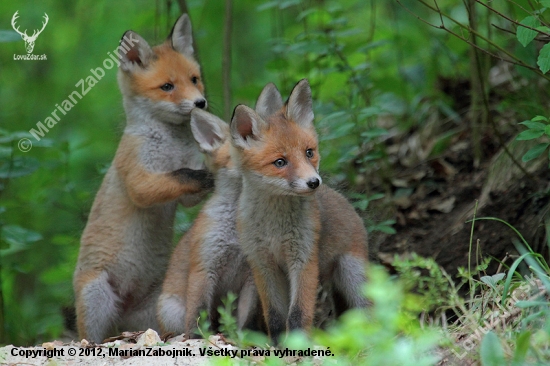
(513, 59)
(510, 19)
(226, 59)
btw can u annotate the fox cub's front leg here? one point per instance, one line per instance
(147, 188)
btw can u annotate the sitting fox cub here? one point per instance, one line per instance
(294, 232)
(208, 261)
(126, 244)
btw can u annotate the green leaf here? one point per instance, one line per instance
(385, 229)
(5, 152)
(289, 3)
(539, 118)
(545, 3)
(491, 351)
(525, 35)
(534, 125)
(17, 238)
(267, 5)
(9, 36)
(492, 280)
(522, 346)
(530, 304)
(547, 130)
(374, 132)
(544, 58)
(361, 205)
(535, 152)
(376, 196)
(18, 166)
(530, 134)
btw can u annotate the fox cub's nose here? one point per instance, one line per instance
(313, 183)
(200, 103)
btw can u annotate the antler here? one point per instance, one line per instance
(35, 34)
(13, 19)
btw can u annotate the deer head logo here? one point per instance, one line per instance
(29, 40)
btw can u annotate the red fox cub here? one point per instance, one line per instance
(294, 231)
(208, 261)
(126, 244)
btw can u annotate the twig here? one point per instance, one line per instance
(510, 19)
(226, 59)
(514, 60)
(443, 27)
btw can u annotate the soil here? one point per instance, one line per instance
(441, 195)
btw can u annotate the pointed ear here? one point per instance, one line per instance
(245, 125)
(134, 51)
(299, 105)
(269, 101)
(208, 130)
(181, 36)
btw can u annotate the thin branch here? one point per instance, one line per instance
(419, 18)
(514, 33)
(443, 27)
(513, 59)
(510, 19)
(541, 16)
(522, 8)
(226, 59)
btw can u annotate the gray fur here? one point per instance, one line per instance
(134, 55)
(300, 106)
(207, 130)
(182, 36)
(269, 102)
(124, 294)
(245, 118)
(287, 231)
(224, 262)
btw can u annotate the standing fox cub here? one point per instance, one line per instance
(208, 261)
(294, 231)
(127, 241)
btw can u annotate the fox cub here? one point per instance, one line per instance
(126, 243)
(208, 261)
(294, 231)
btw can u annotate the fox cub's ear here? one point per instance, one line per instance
(134, 51)
(245, 125)
(269, 101)
(299, 105)
(208, 130)
(181, 36)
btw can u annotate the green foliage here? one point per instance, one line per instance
(376, 72)
(536, 127)
(426, 277)
(388, 333)
(491, 350)
(530, 27)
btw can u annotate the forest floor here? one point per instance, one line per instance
(434, 198)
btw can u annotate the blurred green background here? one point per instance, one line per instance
(373, 68)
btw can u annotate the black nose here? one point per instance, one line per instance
(313, 183)
(200, 103)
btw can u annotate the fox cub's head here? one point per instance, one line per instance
(164, 80)
(276, 145)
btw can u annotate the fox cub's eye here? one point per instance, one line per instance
(167, 87)
(309, 153)
(194, 80)
(279, 163)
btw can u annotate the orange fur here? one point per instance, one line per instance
(168, 66)
(127, 240)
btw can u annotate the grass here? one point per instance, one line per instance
(424, 317)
